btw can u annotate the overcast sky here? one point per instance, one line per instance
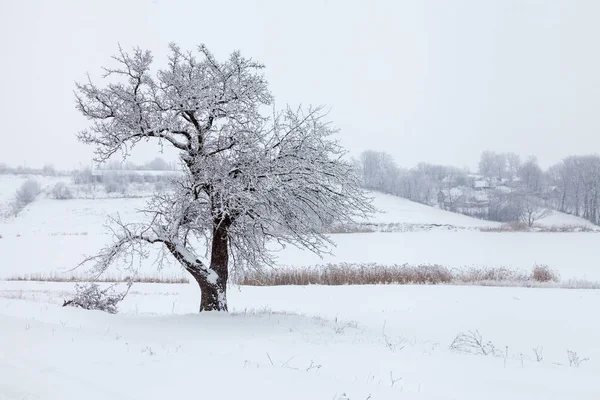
(436, 81)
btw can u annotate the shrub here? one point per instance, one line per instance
(48, 170)
(473, 343)
(90, 297)
(61, 191)
(113, 186)
(574, 359)
(83, 176)
(27, 193)
(543, 273)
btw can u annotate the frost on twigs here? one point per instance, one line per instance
(473, 343)
(91, 297)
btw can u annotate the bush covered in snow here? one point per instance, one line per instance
(28, 191)
(25, 195)
(61, 191)
(91, 297)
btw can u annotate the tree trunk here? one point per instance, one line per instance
(214, 294)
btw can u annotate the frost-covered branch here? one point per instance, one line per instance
(179, 105)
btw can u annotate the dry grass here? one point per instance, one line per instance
(355, 228)
(348, 274)
(508, 227)
(376, 274)
(57, 277)
(489, 274)
(370, 227)
(569, 228)
(521, 227)
(543, 273)
(541, 276)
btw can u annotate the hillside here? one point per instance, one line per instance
(63, 231)
(400, 210)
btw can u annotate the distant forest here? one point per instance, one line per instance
(504, 188)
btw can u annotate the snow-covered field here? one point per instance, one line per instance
(353, 342)
(9, 184)
(386, 342)
(62, 231)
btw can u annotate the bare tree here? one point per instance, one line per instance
(379, 171)
(531, 176)
(513, 164)
(250, 177)
(531, 210)
(488, 164)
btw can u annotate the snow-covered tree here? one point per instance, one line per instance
(251, 176)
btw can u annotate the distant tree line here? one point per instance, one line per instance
(46, 170)
(503, 189)
(157, 164)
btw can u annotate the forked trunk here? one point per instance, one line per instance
(214, 294)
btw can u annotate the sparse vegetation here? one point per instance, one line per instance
(348, 274)
(370, 227)
(377, 274)
(472, 343)
(61, 191)
(543, 273)
(574, 359)
(105, 278)
(28, 191)
(539, 354)
(25, 195)
(91, 297)
(522, 227)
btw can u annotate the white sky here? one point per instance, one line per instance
(436, 81)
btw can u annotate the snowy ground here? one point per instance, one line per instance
(9, 184)
(387, 342)
(394, 209)
(351, 343)
(62, 231)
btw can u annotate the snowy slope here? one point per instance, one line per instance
(561, 219)
(77, 216)
(383, 342)
(399, 210)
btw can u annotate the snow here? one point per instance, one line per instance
(399, 210)
(572, 255)
(9, 184)
(558, 218)
(78, 225)
(348, 342)
(387, 342)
